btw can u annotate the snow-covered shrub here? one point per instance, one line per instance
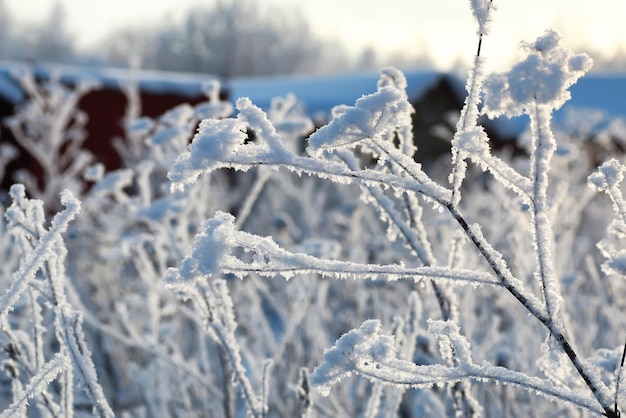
(184, 288)
(49, 127)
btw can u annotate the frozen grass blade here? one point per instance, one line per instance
(36, 386)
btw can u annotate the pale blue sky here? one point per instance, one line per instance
(441, 28)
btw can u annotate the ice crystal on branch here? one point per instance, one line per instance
(542, 78)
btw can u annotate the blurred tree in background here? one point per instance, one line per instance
(49, 40)
(228, 38)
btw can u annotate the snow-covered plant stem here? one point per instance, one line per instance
(544, 145)
(369, 353)
(608, 179)
(466, 125)
(499, 266)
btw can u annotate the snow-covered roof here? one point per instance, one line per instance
(319, 94)
(9, 90)
(601, 92)
(184, 84)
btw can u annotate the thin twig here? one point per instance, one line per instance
(619, 377)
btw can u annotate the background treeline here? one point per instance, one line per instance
(226, 38)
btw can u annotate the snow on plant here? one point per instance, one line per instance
(368, 352)
(540, 80)
(271, 152)
(137, 235)
(214, 244)
(536, 86)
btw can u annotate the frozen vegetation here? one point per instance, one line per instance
(251, 273)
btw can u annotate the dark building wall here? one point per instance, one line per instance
(105, 109)
(430, 111)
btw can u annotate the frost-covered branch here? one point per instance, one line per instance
(608, 179)
(223, 143)
(499, 266)
(69, 330)
(467, 125)
(214, 254)
(536, 86)
(47, 255)
(368, 352)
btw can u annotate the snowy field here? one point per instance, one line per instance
(261, 270)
